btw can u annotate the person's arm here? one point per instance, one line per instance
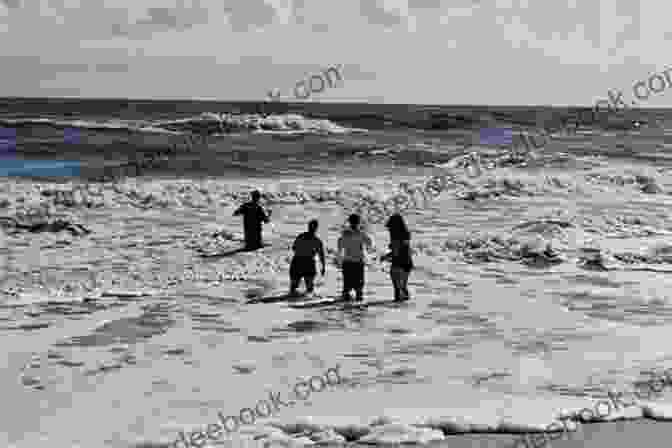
(386, 257)
(239, 210)
(368, 241)
(295, 243)
(339, 249)
(393, 252)
(262, 215)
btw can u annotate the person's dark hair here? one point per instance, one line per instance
(256, 195)
(312, 225)
(353, 220)
(397, 228)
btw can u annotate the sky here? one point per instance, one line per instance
(479, 52)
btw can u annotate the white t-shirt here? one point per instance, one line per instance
(352, 243)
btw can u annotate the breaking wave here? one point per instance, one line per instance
(207, 123)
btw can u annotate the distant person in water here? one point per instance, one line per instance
(351, 246)
(253, 216)
(305, 247)
(399, 256)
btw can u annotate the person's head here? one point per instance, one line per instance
(354, 221)
(312, 226)
(255, 196)
(397, 227)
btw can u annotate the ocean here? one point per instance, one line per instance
(540, 280)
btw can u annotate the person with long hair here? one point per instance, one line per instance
(399, 256)
(351, 247)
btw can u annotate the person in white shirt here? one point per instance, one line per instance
(351, 246)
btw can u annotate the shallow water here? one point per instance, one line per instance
(496, 332)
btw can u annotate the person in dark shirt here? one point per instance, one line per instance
(305, 247)
(253, 216)
(400, 256)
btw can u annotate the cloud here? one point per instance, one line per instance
(161, 16)
(424, 4)
(320, 28)
(298, 11)
(111, 68)
(79, 20)
(158, 19)
(150, 47)
(39, 69)
(355, 73)
(379, 15)
(243, 15)
(11, 4)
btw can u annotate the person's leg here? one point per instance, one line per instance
(359, 279)
(394, 275)
(253, 239)
(309, 274)
(294, 277)
(294, 286)
(310, 283)
(346, 270)
(403, 284)
(256, 242)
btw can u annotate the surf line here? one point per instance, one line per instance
(499, 136)
(214, 430)
(587, 415)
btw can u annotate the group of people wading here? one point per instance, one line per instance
(352, 246)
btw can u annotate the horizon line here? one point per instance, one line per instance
(316, 103)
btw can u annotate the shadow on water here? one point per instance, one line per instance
(155, 320)
(228, 253)
(275, 299)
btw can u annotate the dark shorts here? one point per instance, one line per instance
(302, 267)
(405, 265)
(253, 239)
(353, 275)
